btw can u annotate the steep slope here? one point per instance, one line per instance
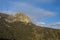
(15, 30)
(20, 31)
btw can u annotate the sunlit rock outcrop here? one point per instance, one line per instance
(18, 17)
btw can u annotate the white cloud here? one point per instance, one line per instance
(40, 23)
(31, 10)
(7, 11)
(55, 25)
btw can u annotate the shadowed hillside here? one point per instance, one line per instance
(18, 30)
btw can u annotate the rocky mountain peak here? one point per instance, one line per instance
(19, 17)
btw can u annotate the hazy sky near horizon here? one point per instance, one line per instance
(41, 12)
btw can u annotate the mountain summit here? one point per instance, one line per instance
(18, 17)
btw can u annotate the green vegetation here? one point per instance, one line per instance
(21, 31)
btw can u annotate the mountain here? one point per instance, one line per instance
(18, 17)
(22, 30)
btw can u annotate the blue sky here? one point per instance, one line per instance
(41, 12)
